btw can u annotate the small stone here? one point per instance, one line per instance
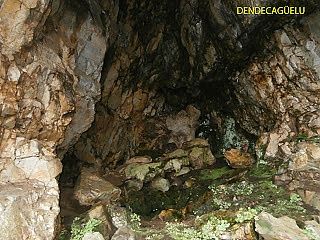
(169, 214)
(142, 171)
(183, 171)
(200, 157)
(101, 212)
(124, 233)
(176, 164)
(118, 216)
(197, 142)
(139, 159)
(134, 185)
(189, 183)
(161, 184)
(238, 159)
(314, 228)
(179, 153)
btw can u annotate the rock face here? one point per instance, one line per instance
(279, 92)
(50, 64)
(303, 172)
(152, 70)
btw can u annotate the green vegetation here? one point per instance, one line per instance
(79, 228)
(135, 221)
(303, 137)
(209, 229)
(262, 171)
(260, 195)
(221, 200)
(213, 174)
(245, 215)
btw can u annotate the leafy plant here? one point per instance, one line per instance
(135, 221)
(246, 215)
(79, 229)
(295, 198)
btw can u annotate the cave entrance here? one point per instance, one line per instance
(166, 138)
(165, 117)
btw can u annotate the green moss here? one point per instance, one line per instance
(261, 195)
(262, 171)
(213, 174)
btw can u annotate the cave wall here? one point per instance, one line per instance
(163, 57)
(50, 66)
(278, 91)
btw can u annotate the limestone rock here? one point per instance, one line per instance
(134, 184)
(160, 184)
(201, 157)
(139, 159)
(310, 197)
(101, 212)
(244, 231)
(176, 154)
(303, 172)
(284, 228)
(306, 157)
(93, 236)
(195, 153)
(92, 188)
(197, 142)
(238, 159)
(143, 171)
(278, 92)
(313, 229)
(31, 206)
(183, 125)
(49, 76)
(119, 216)
(14, 14)
(124, 233)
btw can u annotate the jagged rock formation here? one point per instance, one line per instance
(154, 59)
(49, 78)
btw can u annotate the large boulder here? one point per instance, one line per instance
(283, 228)
(92, 188)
